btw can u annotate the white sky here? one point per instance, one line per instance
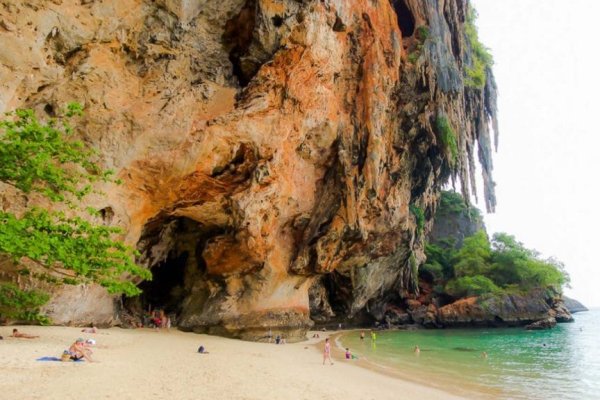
(547, 67)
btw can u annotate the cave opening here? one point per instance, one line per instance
(166, 290)
(237, 37)
(172, 248)
(406, 20)
(331, 299)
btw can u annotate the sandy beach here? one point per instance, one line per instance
(144, 364)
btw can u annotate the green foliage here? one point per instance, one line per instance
(502, 266)
(476, 73)
(86, 251)
(42, 157)
(413, 57)
(473, 258)
(439, 262)
(22, 304)
(453, 203)
(515, 265)
(419, 215)
(471, 286)
(447, 137)
(422, 33)
(45, 158)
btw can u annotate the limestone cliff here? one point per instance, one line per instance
(437, 306)
(269, 148)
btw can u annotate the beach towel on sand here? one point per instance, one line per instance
(54, 359)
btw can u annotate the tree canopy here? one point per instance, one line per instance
(56, 247)
(480, 265)
(503, 265)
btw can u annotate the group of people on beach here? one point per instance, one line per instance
(81, 349)
(350, 356)
(157, 319)
(279, 339)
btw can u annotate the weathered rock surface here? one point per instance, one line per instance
(503, 310)
(573, 305)
(547, 323)
(266, 146)
(82, 305)
(456, 223)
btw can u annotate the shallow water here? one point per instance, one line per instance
(562, 363)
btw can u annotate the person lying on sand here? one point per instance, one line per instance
(21, 335)
(91, 329)
(79, 350)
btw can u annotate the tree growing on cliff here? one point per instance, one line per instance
(500, 266)
(484, 266)
(56, 247)
(481, 58)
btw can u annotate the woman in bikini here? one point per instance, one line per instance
(327, 352)
(78, 350)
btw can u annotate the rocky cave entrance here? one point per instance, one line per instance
(172, 249)
(238, 35)
(166, 290)
(330, 300)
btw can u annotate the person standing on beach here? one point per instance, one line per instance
(327, 352)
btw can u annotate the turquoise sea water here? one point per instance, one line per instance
(562, 363)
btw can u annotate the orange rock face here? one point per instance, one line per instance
(266, 145)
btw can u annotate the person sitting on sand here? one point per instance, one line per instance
(165, 321)
(79, 350)
(91, 329)
(349, 355)
(21, 335)
(156, 319)
(202, 350)
(327, 352)
(417, 350)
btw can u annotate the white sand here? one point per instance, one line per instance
(143, 364)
